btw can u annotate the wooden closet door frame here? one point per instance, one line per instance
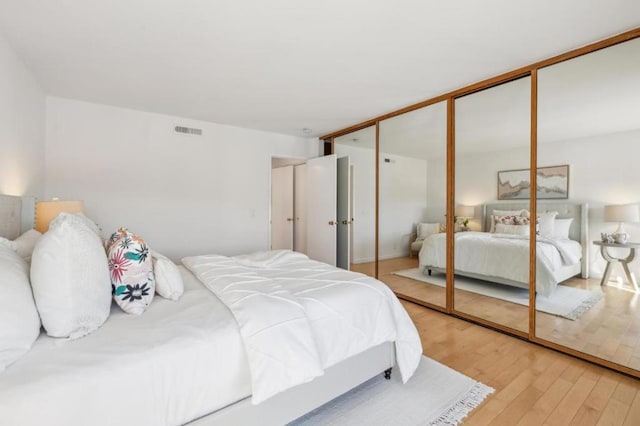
(528, 70)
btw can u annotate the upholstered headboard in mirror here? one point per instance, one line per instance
(579, 230)
(16, 215)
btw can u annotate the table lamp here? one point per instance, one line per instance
(46, 211)
(465, 213)
(621, 214)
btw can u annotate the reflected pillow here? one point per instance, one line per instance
(423, 230)
(546, 223)
(561, 228)
(512, 229)
(498, 213)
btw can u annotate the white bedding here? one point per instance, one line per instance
(299, 317)
(503, 256)
(178, 361)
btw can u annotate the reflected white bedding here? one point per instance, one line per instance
(178, 361)
(503, 256)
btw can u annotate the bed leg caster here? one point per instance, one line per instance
(387, 374)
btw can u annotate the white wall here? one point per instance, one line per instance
(185, 194)
(403, 202)
(22, 122)
(603, 170)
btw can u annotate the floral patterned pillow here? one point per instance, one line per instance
(131, 271)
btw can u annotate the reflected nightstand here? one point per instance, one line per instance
(633, 247)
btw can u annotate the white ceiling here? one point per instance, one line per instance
(283, 65)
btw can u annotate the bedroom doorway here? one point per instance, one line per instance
(309, 218)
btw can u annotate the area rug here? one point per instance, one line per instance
(566, 302)
(435, 395)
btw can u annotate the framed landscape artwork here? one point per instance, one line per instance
(553, 183)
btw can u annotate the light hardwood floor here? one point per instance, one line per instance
(534, 385)
(609, 330)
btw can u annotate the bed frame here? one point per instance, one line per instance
(17, 215)
(579, 232)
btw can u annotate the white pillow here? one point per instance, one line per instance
(423, 230)
(545, 224)
(169, 283)
(512, 229)
(70, 278)
(26, 242)
(561, 228)
(19, 321)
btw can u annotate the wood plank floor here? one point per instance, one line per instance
(610, 330)
(534, 385)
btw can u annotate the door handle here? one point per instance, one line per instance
(331, 223)
(346, 222)
(289, 219)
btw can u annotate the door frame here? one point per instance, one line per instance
(285, 161)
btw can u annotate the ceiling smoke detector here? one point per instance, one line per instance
(306, 130)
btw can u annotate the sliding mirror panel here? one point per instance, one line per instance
(356, 154)
(412, 190)
(491, 240)
(588, 158)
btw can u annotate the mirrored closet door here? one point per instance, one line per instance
(491, 239)
(412, 190)
(360, 228)
(589, 146)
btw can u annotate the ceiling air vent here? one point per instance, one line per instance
(188, 130)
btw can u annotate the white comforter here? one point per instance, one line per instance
(298, 317)
(504, 256)
(176, 362)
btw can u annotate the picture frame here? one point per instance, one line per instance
(552, 183)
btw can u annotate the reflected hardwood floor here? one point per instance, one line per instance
(534, 385)
(610, 330)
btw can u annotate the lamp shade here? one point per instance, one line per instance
(46, 211)
(622, 213)
(465, 211)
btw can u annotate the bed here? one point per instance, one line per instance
(187, 361)
(504, 258)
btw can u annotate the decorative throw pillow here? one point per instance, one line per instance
(70, 278)
(505, 220)
(131, 269)
(19, 321)
(521, 213)
(169, 283)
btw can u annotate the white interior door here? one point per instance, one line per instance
(343, 249)
(282, 208)
(321, 208)
(300, 208)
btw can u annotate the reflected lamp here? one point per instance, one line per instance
(621, 214)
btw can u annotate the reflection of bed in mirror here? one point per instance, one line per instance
(504, 258)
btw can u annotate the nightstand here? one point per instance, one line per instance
(633, 247)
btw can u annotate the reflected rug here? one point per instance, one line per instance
(566, 302)
(435, 395)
